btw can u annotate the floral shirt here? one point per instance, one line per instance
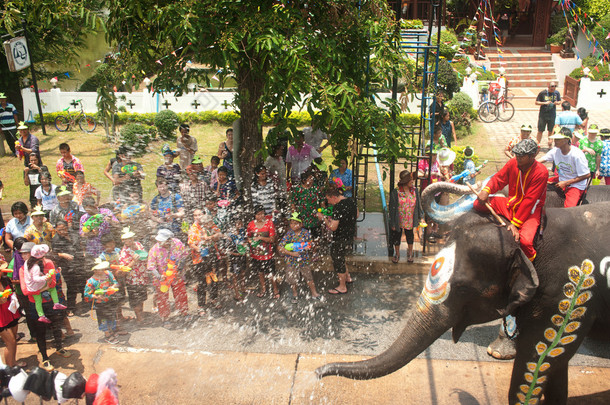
(158, 256)
(293, 237)
(306, 202)
(137, 275)
(45, 235)
(95, 284)
(112, 257)
(261, 250)
(597, 146)
(199, 247)
(406, 207)
(83, 190)
(604, 166)
(69, 167)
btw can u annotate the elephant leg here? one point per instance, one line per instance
(556, 390)
(502, 348)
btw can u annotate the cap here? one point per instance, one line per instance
(2, 95)
(22, 125)
(37, 211)
(525, 147)
(63, 190)
(445, 156)
(163, 235)
(468, 152)
(38, 251)
(100, 264)
(579, 133)
(127, 233)
(526, 127)
(593, 129)
(27, 247)
(605, 132)
(502, 70)
(197, 161)
(295, 217)
(560, 135)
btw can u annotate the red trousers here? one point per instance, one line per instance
(528, 230)
(179, 290)
(572, 196)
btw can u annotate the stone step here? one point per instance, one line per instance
(542, 83)
(516, 70)
(520, 58)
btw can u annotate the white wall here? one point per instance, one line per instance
(563, 67)
(589, 95)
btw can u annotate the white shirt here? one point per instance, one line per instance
(569, 166)
(314, 138)
(300, 160)
(49, 201)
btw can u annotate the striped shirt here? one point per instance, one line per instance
(7, 116)
(265, 196)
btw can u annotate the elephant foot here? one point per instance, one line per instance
(502, 348)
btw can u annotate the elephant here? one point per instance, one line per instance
(481, 274)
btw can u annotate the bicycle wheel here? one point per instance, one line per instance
(62, 123)
(506, 110)
(87, 123)
(488, 112)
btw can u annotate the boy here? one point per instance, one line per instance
(111, 255)
(99, 290)
(137, 277)
(296, 245)
(237, 257)
(82, 189)
(210, 173)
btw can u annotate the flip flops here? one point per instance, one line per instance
(334, 291)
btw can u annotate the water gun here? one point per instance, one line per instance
(211, 276)
(298, 246)
(133, 210)
(460, 176)
(224, 203)
(19, 151)
(6, 293)
(143, 254)
(339, 183)
(93, 222)
(66, 176)
(120, 268)
(327, 211)
(129, 169)
(69, 215)
(169, 276)
(184, 227)
(106, 291)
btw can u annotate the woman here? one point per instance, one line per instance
(405, 214)
(225, 151)
(108, 171)
(16, 227)
(448, 129)
(276, 166)
(40, 231)
(9, 317)
(305, 199)
(170, 171)
(345, 175)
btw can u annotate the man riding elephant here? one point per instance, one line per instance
(526, 179)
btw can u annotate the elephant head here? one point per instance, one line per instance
(481, 274)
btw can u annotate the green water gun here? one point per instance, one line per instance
(327, 211)
(129, 169)
(93, 222)
(298, 246)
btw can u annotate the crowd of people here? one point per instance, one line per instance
(197, 232)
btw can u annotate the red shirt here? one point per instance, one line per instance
(263, 250)
(526, 191)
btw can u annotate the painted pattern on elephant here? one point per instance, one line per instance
(437, 285)
(566, 321)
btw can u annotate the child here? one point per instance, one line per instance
(237, 257)
(210, 173)
(203, 238)
(99, 288)
(111, 255)
(45, 194)
(137, 278)
(37, 281)
(31, 177)
(261, 233)
(469, 165)
(297, 260)
(82, 189)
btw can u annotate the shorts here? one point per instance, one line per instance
(209, 263)
(12, 323)
(338, 252)
(136, 294)
(396, 236)
(546, 121)
(263, 266)
(292, 273)
(504, 32)
(237, 264)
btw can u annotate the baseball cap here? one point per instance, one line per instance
(525, 147)
(163, 235)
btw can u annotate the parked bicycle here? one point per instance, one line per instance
(498, 107)
(87, 123)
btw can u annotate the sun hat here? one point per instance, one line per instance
(163, 235)
(127, 233)
(404, 177)
(593, 128)
(27, 247)
(525, 147)
(526, 127)
(468, 152)
(38, 251)
(100, 264)
(604, 132)
(37, 211)
(560, 134)
(295, 217)
(22, 125)
(445, 156)
(579, 133)
(2, 95)
(63, 190)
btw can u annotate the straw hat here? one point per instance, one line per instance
(100, 264)
(445, 156)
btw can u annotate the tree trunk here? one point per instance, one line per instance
(250, 90)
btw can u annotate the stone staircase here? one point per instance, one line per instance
(528, 72)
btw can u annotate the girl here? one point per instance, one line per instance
(261, 233)
(45, 194)
(99, 290)
(137, 278)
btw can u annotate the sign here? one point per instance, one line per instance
(17, 54)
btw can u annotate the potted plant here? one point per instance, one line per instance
(555, 41)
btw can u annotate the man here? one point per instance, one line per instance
(526, 131)
(526, 179)
(342, 224)
(567, 119)
(28, 144)
(299, 158)
(8, 122)
(187, 146)
(548, 100)
(127, 175)
(69, 164)
(571, 165)
(315, 136)
(193, 192)
(439, 109)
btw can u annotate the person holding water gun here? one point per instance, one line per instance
(127, 175)
(296, 246)
(133, 257)
(99, 290)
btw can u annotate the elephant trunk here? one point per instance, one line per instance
(422, 329)
(445, 213)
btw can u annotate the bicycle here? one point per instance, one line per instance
(499, 107)
(86, 122)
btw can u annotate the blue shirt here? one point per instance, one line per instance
(166, 205)
(7, 117)
(604, 166)
(346, 178)
(568, 119)
(16, 229)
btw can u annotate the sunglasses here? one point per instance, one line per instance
(552, 87)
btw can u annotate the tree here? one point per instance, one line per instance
(284, 55)
(55, 33)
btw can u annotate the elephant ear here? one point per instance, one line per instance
(523, 282)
